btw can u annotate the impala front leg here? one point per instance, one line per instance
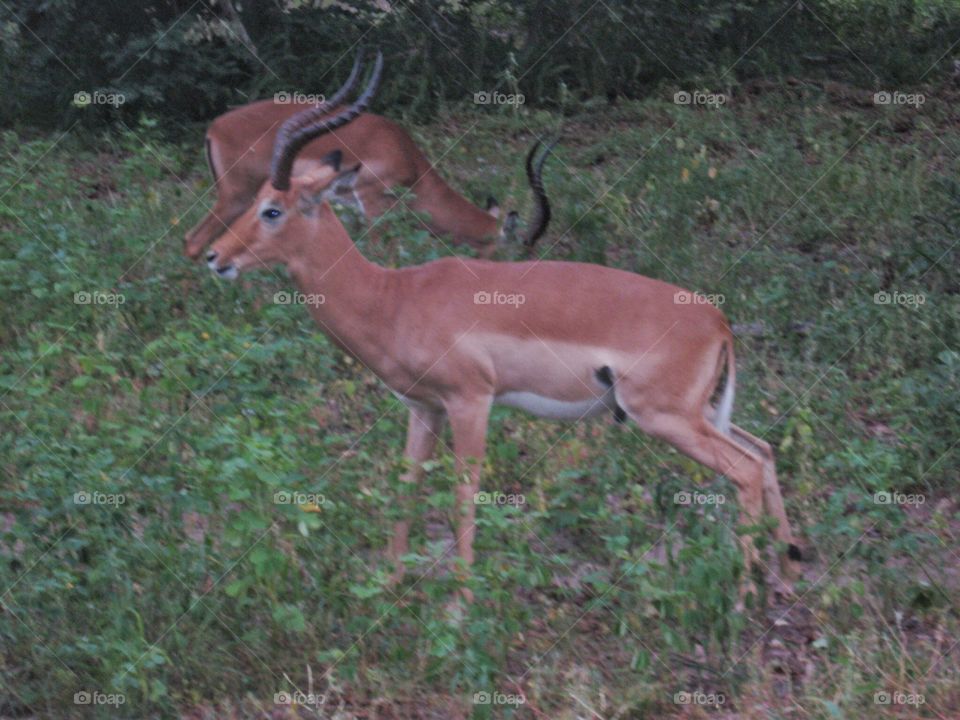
(468, 421)
(423, 431)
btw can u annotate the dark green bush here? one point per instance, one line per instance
(186, 61)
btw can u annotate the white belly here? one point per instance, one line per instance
(548, 407)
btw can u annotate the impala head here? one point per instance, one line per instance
(291, 206)
(271, 230)
(198, 237)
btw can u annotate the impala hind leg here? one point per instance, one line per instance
(697, 438)
(773, 501)
(468, 421)
(423, 431)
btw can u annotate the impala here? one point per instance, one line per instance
(453, 337)
(238, 147)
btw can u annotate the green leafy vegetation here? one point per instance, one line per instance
(238, 475)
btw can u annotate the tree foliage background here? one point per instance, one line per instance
(186, 61)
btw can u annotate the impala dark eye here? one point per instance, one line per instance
(271, 214)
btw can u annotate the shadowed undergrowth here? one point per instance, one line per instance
(197, 485)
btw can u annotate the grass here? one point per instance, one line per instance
(182, 405)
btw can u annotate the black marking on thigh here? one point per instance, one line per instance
(605, 377)
(793, 552)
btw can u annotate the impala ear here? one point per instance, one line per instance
(324, 184)
(333, 159)
(312, 181)
(493, 207)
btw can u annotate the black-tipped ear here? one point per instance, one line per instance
(492, 203)
(333, 159)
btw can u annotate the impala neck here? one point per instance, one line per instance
(356, 305)
(451, 213)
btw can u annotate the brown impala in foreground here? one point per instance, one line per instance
(561, 340)
(239, 144)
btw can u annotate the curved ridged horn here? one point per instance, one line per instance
(295, 122)
(296, 132)
(541, 213)
(347, 86)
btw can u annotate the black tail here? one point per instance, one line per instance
(541, 213)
